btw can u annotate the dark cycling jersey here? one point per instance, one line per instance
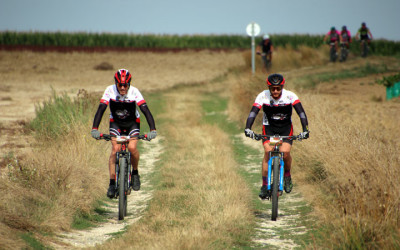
(364, 33)
(277, 113)
(265, 47)
(123, 108)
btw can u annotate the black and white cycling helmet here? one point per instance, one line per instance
(275, 80)
(123, 76)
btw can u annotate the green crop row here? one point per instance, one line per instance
(9, 38)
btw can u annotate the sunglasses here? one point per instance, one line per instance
(122, 85)
(275, 88)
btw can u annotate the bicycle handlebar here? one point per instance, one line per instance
(290, 137)
(108, 137)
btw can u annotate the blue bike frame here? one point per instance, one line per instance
(280, 170)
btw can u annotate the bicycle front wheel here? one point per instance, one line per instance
(333, 54)
(121, 189)
(275, 187)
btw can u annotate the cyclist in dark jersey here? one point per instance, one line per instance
(277, 104)
(265, 48)
(364, 33)
(124, 120)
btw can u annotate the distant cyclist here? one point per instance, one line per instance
(334, 37)
(364, 33)
(277, 104)
(265, 48)
(124, 120)
(345, 36)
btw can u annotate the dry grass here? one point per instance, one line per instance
(37, 72)
(44, 192)
(355, 163)
(284, 59)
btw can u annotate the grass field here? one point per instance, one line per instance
(46, 182)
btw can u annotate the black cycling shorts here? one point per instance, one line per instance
(284, 131)
(119, 129)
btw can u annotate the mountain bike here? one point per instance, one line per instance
(364, 48)
(344, 52)
(332, 52)
(123, 171)
(266, 58)
(276, 169)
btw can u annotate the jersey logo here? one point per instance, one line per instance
(279, 116)
(122, 114)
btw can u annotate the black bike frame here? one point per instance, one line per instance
(123, 153)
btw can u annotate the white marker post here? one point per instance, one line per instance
(253, 29)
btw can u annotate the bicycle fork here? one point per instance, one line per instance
(281, 171)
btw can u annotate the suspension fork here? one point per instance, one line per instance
(274, 154)
(117, 168)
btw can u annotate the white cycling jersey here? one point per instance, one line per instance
(277, 112)
(123, 108)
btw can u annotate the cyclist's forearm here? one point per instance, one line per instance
(149, 117)
(252, 116)
(302, 114)
(99, 115)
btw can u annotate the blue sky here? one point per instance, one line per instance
(200, 17)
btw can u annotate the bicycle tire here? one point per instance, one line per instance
(275, 187)
(121, 190)
(365, 49)
(343, 54)
(332, 54)
(126, 185)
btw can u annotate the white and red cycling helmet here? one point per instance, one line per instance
(123, 76)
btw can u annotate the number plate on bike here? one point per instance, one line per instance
(275, 141)
(122, 139)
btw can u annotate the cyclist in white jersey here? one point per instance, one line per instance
(277, 104)
(124, 120)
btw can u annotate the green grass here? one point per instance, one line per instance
(56, 116)
(223, 41)
(83, 220)
(311, 81)
(32, 242)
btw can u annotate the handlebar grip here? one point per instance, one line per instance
(105, 137)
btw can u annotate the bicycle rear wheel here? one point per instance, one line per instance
(275, 187)
(121, 189)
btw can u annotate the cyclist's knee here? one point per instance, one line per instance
(132, 148)
(286, 155)
(115, 149)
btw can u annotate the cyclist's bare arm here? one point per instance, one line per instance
(370, 35)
